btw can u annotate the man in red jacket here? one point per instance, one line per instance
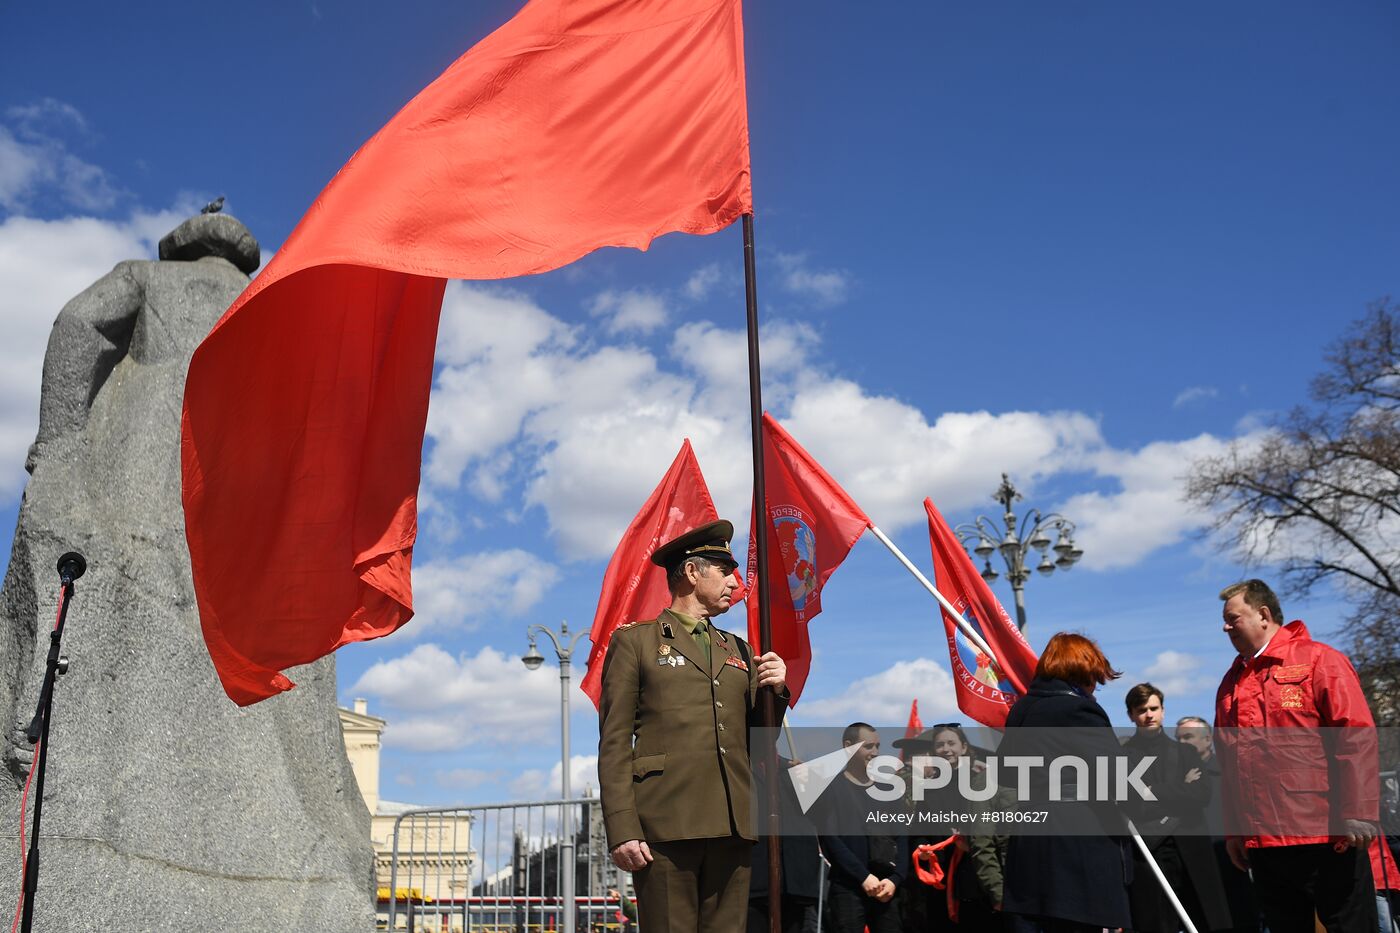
(1299, 769)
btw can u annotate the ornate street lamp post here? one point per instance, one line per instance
(532, 659)
(1016, 547)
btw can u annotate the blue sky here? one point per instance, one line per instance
(1080, 243)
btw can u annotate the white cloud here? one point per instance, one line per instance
(633, 310)
(1194, 394)
(704, 280)
(597, 425)
(608, 441)
(535, 784)
(449, 703)
(823, 287)
(34, 161)
(884, 698)
(32, 119)
(601, 424)
(465, 778)
(499, 351)
(596, 476)
(1177, 674)
(583, 430)
(44, 264)
(461, 591)
(717, 360)
(887, 455)
(438, 520)
(21, 167)
(1147, 512)
(1256, 422)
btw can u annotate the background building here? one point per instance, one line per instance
(435, 854)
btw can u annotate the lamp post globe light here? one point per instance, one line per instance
(986, 537)
(532, 659)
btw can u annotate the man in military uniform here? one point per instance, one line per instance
(673, 759)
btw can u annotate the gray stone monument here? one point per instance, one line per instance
(166, 806)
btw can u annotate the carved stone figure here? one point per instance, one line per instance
(166, 807)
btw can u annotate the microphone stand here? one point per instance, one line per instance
(70, 567)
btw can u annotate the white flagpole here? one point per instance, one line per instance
(1161, 878)
(980, 642)
(971, 633)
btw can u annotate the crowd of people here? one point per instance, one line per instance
(1292, 860)
(1240, 834)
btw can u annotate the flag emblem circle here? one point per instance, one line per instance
(798, 546)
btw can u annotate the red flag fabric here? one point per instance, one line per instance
(576, 125)
(985, 690)
(633, 587)
(916, 725)
(812, 526)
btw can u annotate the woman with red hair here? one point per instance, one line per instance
(1067, 883)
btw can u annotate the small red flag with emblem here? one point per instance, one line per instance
(634, 588)
(986, 688)
(812, 526)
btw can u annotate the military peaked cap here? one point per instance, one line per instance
(922, 740)
(709, 541)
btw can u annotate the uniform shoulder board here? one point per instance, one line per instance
(627, 625)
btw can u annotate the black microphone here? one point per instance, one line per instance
(71, 566)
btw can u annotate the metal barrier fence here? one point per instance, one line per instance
(496, 869)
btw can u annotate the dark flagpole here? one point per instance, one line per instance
(769, 700)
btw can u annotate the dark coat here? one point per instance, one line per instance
(851, 857)
(1083, 878)
(1179, 815)
(1215, 816)
(801, 859)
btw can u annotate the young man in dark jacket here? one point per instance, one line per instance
(1173, 826)
(867, 866)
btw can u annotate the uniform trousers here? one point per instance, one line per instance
(1290, 882)
(695, 886)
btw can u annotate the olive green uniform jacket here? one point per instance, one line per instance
(686, 775)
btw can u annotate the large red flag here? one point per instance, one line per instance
(633, 587)
(812, 526)
(985, 690)
(576, 125)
